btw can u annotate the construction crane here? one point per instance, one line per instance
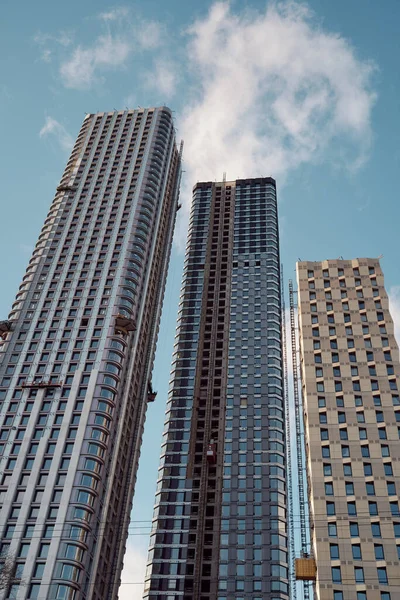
(305, 566)
(292, 575)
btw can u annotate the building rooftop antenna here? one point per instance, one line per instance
(224, 176)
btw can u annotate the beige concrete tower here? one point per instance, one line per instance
(350, 373)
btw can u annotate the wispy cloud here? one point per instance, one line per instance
(110, 50)
(56, 129)
(115, 14)
(272, 90)
(63, 38)
(80, 70)
(163, 78)
(149, 34)
(45, 40)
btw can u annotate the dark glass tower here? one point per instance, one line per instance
(219, 529)
(76, 356)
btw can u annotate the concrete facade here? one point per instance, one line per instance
(350, 374)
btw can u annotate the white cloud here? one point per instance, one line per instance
(114, 14)
(111, 50)
(163, 79)
(149, 34)
(394, 301)
(44, 40)
(132, 577)
(79, 71)
(272, 90)
(53, 127)
(46, 55)
(63, 38)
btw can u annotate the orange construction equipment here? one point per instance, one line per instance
(306, 569)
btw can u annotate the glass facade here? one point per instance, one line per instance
(219, 526)
(76, 357)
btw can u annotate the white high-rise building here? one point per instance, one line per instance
(76, 357)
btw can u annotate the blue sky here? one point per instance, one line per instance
(307, 93)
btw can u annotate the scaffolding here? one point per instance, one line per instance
(292, 572)
(124, 325)
(151, 394)
(40, 382)
(5, 328)
(306, 564)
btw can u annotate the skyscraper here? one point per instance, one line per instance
(219, 529)
(76, 358)
(350, 372)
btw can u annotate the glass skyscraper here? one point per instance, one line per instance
(350, 371)
(220, 523)
(76, 356)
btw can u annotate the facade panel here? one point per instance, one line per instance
(76, 358)
(219, 527)
(350, 371)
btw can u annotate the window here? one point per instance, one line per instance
(367, 469)
(330, 508)
(351, 509)
(359, 574)
(329, 489)
(365, 451)
(354, 530)
(337, 595)
(373, 509)
(376, 530)
(356, 550)
(349, 488)
(382, 575)
(334, 551)
(370, 486)
(347, 470)
(388, 469)
(337, 575)
(391, 488)
(379, 552)
(345, 451)
(327, 470)
(332, 530)
(326, 453)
